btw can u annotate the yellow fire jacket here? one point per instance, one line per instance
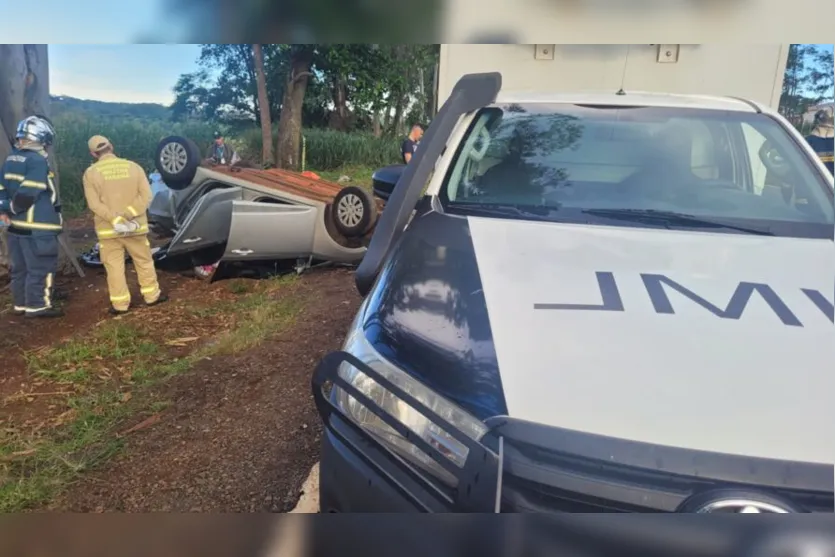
(117, 191)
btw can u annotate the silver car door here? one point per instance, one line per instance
(267, 231)
(207, 224)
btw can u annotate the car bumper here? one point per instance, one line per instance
(543, 469)
(348, 483)
(383, 191)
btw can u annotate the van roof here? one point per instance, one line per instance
(632, 98)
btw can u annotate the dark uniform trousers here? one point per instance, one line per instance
(34, 261)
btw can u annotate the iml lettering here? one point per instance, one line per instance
(658, 286)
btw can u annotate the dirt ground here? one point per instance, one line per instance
(200, 404)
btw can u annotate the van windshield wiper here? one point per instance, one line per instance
(672, 219)
(535, 212)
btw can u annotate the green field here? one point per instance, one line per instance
(327, 152)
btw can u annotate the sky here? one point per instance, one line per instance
(107, 70)
(120, 72)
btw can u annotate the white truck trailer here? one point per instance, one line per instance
(751, 71)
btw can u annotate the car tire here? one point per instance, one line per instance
(177, 159)
(353, 211)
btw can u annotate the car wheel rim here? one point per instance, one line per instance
(350, 210)
(173, 158)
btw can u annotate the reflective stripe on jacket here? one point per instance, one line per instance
(825, 149)
(117, 191)
(28, 194)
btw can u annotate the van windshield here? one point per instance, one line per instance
(677, 168)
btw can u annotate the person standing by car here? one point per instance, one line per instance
(118, 194)
(29, 206)
(822, 138)
(409, 145)
(219, 152)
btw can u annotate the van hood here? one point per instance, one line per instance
(706, 341)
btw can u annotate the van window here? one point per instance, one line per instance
(564, 158)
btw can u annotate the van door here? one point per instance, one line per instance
(267, 231)
(207, 224)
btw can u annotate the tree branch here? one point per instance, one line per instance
(301, 75)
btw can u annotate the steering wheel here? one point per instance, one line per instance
(773, 160)
(480, 145)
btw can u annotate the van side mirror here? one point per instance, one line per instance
(472, 92)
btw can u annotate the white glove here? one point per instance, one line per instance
(126, 227)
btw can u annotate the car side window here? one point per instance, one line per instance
(694, 144)
(754, 140)
(703, 154)
(471, 155)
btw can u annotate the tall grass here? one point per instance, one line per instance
(133, 139)
(331, 150)
(137, 139)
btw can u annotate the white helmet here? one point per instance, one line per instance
(823, 117)
(37, 129)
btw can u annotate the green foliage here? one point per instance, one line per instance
(224, 87)
(365, 78)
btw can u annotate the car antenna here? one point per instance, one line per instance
(623, 74)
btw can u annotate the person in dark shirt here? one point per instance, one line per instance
(821, 139)
(219, 152)
(409, 145)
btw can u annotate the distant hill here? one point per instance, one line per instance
(144, 111)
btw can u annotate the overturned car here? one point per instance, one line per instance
(212, 214)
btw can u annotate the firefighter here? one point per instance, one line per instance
(29, 206)
(118, 194)
(821, 139)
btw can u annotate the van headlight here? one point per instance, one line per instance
(435, 436)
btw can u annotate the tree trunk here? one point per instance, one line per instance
(290, 121)
(387, 114)
(339, 118)
(264, 106)
(433, 106)
(24, 91)
(399, 110)
(376, 122)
